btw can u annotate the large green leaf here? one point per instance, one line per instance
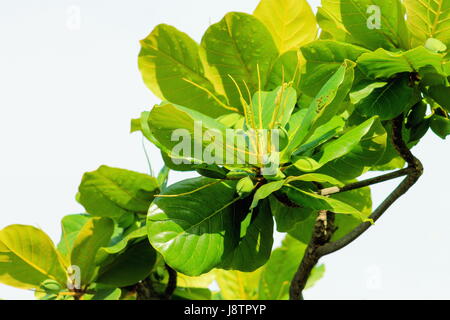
(376, 23)
(71, 226)
(385, 64)
(291, 22)
(112, 192)
(428, 19)
(323, 59)
(237, 47)
(193, 138)
(124, 241)
(441, 95)
(130, 267)
(172, 67)
(96, 233)
(192, 232)
(371, 129)
(28, 257)
(256, 240)
(390, 100)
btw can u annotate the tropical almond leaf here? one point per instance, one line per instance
(192, 232)
(238, 46)
(112, 192)
(28, 257)
(291, 22)
(96, 233)
(171, 66)
(428, 19)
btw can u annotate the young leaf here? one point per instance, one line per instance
(185, 224)
(237, 47)
(112, 192)
(428, 19)
(71, 226)
(291, 22)
(96, 233)
(171, 66)
(28, 257)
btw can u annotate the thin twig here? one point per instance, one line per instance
(316, 250)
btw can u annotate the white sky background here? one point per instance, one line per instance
(67, 95)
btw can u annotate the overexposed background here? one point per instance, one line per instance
(69, 85)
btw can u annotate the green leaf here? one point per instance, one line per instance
(237, 46)
(385, 64)
(172, 67)
(182, 132)
(236, 285)
(71, 226)
(285, 69)
(272, 110)
(360, 157)
(318, 202)
(370, 130)
(28, 258)
(316, 274)
(104, 294)
(435, 45)
(185, 224)
(428, 19)
(96, 233)
(291, 22)
(192, 294)
(163, 177)
(245, 186)
(287, 216)
(330, 22)
(440, 125)
(389, 101)
(125, 240)
(266, 190)
(323, 59)
(323, 108)
(361, 200)
(277, 275)
(112, 192)
(130, 267)
(256, 240)
(376, 23)
(441, 95)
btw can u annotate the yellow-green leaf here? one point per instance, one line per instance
(428, 19)
(291, 22)
(28, 257)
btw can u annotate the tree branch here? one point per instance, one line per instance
(316, 249)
